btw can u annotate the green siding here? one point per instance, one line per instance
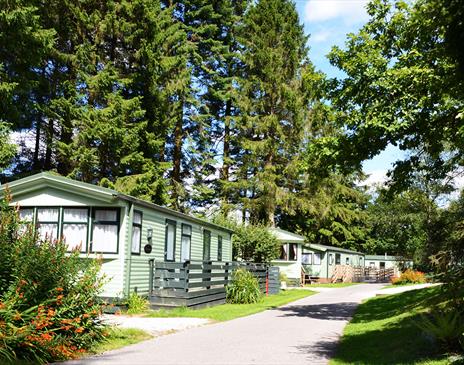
(124, 271)
(139, 264)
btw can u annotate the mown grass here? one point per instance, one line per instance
(227, 312)
(383, 331)
(331, 285)
(119, 337)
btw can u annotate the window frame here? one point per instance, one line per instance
(190, 239)
(310, 255)
(296, 251)
(331, 259)
(62, 223)
(219, 248)
(348, 261)
(139, 225)
(317, 254)
(339, 261)
(206, 233)
(174, 223)
(37, 222)
(282, 250)
(116, 223)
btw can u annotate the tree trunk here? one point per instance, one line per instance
(177, 159)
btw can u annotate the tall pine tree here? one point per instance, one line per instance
(272, 105)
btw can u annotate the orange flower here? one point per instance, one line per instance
(79, 330)
(59, 289)
(2, 305)
(46, 336)
(51, 312)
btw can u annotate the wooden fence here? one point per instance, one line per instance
(200, 283)
(373, 274)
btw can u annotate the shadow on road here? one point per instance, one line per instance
(322, 349)
(334, 312)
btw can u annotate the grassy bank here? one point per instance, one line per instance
(120, 337)
(227, 312)
(383, 331)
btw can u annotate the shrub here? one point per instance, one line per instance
(48, 301)
(446, 326)
(244, 288)
(136, 304)
(410, 277)
(251, 242)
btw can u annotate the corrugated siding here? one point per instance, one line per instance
(139, 264)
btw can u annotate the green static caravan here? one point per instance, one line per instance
(316, 260)
(320, 260)
(385, 262)
(127, 233)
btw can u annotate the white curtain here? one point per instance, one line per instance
(47, 214)
(187, 230)
(75, 215)
(306, 258)
(75, 235)
(317, 259)
(185, 252)
(48, 231)
(137, 218)
(170, 235)
(106, 215)
(26, 215)
(136, 234)
(283, 252)
(105, 238)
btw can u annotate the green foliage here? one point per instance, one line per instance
(244, 288)
(136, 304)
(334, 213)
(49, 308)
(446, 326)
(251, 242)
(401, 224)
(403, 86)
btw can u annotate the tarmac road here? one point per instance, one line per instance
(303, 332)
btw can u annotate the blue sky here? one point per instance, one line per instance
(328, 22)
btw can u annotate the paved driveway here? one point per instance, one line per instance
(303, 332)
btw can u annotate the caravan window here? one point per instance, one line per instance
(185, 243)
(317, 259)
(288, 252)
(136, 233)
(170, 241)
(105, 232)
(75, 228)
(206, 245)
(307, 258)
(47, 223)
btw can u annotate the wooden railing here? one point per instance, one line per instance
(194, 283)
(373, 274)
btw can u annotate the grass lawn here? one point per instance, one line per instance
(399, 285)
(383, 332)
(226, 312)
(120, 337)
(331, 285)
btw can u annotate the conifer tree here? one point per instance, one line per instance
(272, 107)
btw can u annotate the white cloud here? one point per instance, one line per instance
(349, 11)
(321, 36)
(375, 178)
